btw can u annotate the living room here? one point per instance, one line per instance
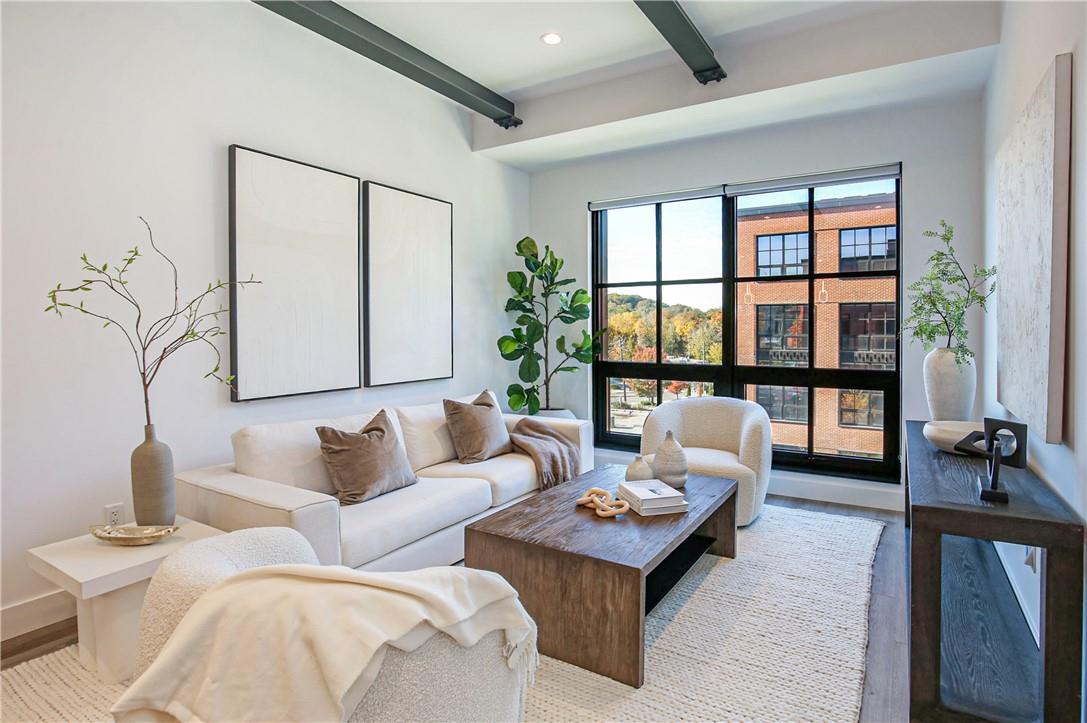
(736, 210)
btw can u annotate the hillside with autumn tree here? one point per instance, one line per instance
(688, 335)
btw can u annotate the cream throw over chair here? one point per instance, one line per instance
(723, 437)
(438, 681)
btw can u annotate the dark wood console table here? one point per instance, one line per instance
(942, 499)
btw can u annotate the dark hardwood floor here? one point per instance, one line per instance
(887, 682)
(38, 642)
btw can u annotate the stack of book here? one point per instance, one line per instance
(651, 497)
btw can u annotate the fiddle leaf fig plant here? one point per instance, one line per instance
(539, 300)
(940, 299)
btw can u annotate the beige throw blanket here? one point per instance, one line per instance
(304, 642)
(555, 456)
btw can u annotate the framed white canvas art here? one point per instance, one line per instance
(408, 273)
(1033, 175)
(295, 228)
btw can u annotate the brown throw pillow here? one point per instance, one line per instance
(365, 464)
(478, 430)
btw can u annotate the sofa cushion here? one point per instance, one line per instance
(714, 462)
(290, 452)
(509, 475)
(477, 429)
(365, 464)
(425, 433)
(375, 527)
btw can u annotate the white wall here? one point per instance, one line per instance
(939, 145)
(1031, 35)
(117, 109)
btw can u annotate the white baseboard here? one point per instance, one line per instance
(37, 612)
(843, 491)
(859, 493)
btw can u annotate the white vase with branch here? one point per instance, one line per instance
(152, 340)
(939, 302)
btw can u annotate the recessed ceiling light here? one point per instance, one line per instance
(551, 38)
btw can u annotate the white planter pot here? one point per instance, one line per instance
(949, 387)
(558, 413)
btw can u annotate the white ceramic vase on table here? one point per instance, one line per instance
(639, 470)
(670, 462)
(949, 387)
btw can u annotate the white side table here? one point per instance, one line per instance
(109, 582)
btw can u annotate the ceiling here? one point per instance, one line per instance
(498, 43)
(960, 74)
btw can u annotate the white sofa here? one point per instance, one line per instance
(722, 437)
(278, 479)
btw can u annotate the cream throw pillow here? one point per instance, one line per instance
(478, 430)
(365, 464)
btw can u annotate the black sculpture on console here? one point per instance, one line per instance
(1005, 444)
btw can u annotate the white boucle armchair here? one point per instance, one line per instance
(723, 437)
(438, 681)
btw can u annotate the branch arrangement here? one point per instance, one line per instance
(151, 342)
(940, 299)
(534, 323)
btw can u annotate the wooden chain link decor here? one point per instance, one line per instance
(602, 502)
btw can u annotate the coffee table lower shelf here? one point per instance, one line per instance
(673, 568)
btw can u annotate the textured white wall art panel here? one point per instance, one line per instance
(1032, 183)
(409, 286)
(295, 228)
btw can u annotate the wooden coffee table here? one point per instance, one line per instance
(589, 581)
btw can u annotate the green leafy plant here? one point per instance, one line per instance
(940, 299)
(152, 342)
(535, 317)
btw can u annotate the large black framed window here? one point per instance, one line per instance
(756, 291)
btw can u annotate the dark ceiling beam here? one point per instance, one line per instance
(342, 26)
(672, 22)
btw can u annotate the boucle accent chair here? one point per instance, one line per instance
(438, 681)
(723, 437)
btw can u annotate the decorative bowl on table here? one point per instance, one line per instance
(946, 434)
(133, 535)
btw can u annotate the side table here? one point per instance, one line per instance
(109, 582)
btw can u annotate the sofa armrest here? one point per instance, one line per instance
(228, 501)
(578, 431)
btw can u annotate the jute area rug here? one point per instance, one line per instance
(778, 634)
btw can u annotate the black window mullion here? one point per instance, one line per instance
(660, 302)
(812, 333)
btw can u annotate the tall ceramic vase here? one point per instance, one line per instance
(670, 462)
(949, 387)
(153, 481)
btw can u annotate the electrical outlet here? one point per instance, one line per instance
(115, 513)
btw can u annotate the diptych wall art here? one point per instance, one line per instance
(1033, 176)
(295, 228)
(408, 276)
